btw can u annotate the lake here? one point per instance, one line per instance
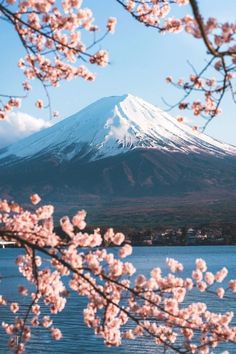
(79, 339)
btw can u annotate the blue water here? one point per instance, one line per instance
(79, 339)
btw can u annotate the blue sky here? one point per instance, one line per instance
(140, 61)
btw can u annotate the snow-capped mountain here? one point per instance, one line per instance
(112, 126)
(117, 146)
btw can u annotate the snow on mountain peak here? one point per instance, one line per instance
(115, 125)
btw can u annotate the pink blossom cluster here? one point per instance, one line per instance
(210, 89)
(9, 105)
(52, 37)
(219, 39)
(148, 12)
(154, 13)
(157, 305)
(111, 24)
(100, 58)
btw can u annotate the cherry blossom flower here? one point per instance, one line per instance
(56, 333)
(125, 251)
(39, 104)
(14, 307)
(111, 24)
(35, 199)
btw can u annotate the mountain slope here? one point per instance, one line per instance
(112, 126)
(119, 147)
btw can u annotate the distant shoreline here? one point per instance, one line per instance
(154, 245)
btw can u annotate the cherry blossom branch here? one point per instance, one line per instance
(34, 247)
(215, 36)
(51, 37)
(153, 304)
(198, 18)
(221, 96)
(109, 301)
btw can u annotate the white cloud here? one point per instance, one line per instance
(18, 125)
